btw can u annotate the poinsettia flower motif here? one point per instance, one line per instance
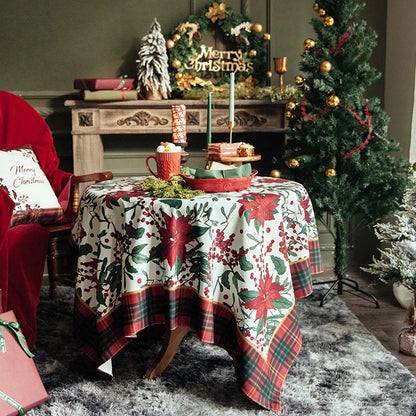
(305, 204)
(110, 198)
(261, 208)
(174, 238)
(268, 291)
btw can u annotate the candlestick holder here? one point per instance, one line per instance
(231, 125)
(280, 67)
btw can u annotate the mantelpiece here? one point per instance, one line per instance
(92, 119)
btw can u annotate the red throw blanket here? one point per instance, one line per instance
(23, 248)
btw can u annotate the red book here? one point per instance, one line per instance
(19, 378)
(94, 84)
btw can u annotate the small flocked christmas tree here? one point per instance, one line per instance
(152, 64)
(338, 146)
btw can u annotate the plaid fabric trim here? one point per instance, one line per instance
(259, 379)
(41, 216)
(303, 270)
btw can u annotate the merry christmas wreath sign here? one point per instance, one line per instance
(191, 61)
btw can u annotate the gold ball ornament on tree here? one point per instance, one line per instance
(178, 76)
(326, 66)
(288, 114)
(329, 21)
(176, 37)
(333, 101)
(275, 173)
(257, 27)
(290, 105)
(170, 44)
(309, 44)
(252, 53)
(269, 74)
(315, 7)
(321, 12)
(294, 163)
(330, 172)
(176, 63)
(299, 80)
(267, 36)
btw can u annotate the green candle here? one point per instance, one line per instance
(209, 119)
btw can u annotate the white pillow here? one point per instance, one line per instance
(23, 179)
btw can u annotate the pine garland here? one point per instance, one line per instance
(174, 187)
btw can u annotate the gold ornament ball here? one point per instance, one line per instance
(179, 75)
(176, 63)
(290, 105)
(333, 101)
(329, 21)
(321, 12)
(299, 80)
(275, 173)
(288, 114)
(330, 172)
(309, 44)
(315, 7)
(176, 37)
(326, 66)
(267, 36)
(294, 163)
(269, 74)
(257, 27)
(170, 44)
(252, 53)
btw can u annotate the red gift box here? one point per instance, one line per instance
(20, 382)
(104, 84)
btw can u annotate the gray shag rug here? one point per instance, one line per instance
(342, 370)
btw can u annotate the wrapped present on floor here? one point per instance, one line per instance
(21, 387)
(218, 150)
(94, 84)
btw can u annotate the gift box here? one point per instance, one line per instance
(110, 95)
(104, 83)
(21, 387)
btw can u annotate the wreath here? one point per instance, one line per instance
(247, 57)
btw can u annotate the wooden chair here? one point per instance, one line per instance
(63, 231)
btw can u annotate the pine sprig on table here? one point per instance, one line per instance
(174, 187)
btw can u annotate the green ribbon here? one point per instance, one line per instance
(123, 81)
(12, 402)
(13, 328)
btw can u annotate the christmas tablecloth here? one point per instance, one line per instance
(229, 265)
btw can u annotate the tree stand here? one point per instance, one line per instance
(341, 238)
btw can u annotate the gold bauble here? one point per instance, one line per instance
(330, 172)
(288, 114)
(315, 7)
(170, 44)
(290, 105)
(176, 37)
(321, 12)
(252, 53)
(176, 63)
(329, 21)
(333, 101)
(257, 27)
(269, 74)
(299, 80)
(326, 66)
(294, 163)
(267, 36)
(179, 75)
(309, 44)
(275, 173)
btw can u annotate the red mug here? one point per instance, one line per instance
(167, 164)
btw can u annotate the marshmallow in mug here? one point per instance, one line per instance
(168, 147)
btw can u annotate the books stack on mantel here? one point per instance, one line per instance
(106, 89)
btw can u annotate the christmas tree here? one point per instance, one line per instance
(152, 63)
(338, 146)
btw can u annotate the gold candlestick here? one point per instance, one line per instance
(280, 67)
(231, 126)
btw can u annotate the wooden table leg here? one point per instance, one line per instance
(170, 345)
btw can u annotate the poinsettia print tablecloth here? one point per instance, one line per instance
(229, 265)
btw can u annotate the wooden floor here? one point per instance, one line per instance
(385, 323)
